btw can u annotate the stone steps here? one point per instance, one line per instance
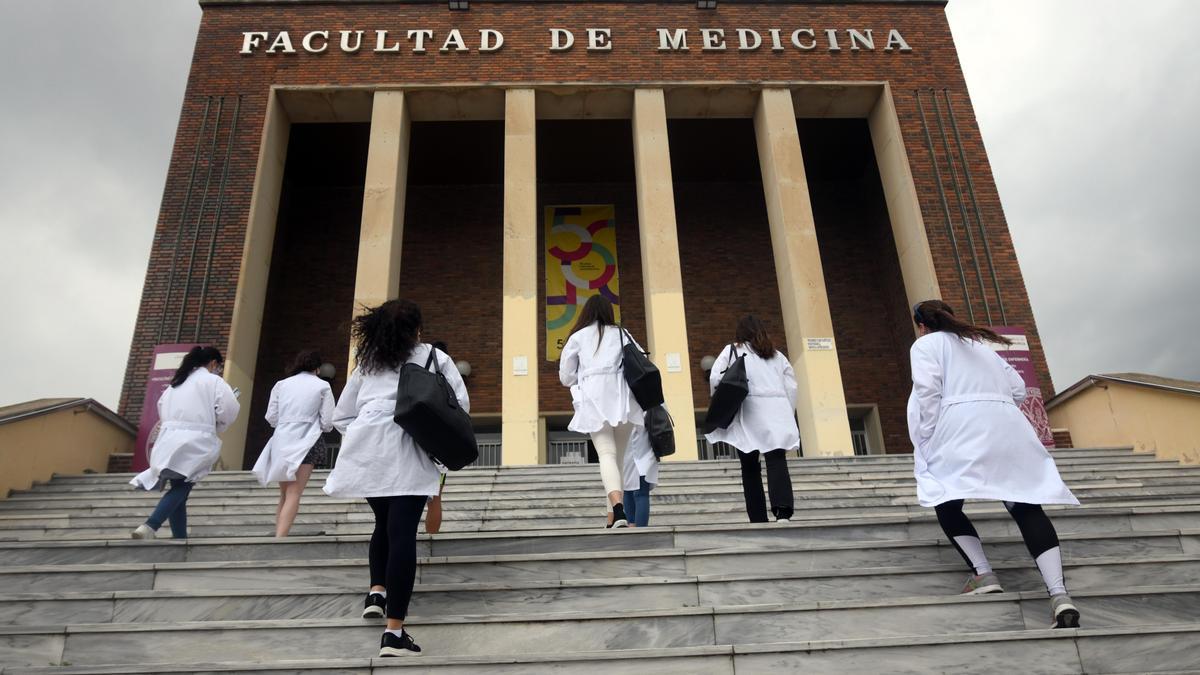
(1099, 650)
(496, 634)
(260, 523)
(332, 589)
(524, 580)
(780, 557)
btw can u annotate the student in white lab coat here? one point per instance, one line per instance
(605, 407)
(640, 475)
(300, 410)
(382, 463)
(196, 407)
(971, 441)
(765, 423)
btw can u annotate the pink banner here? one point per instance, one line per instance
(166, 360)
(1018, 356)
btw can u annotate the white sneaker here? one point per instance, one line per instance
(783, 520)
(143, 531)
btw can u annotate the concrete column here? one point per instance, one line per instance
(821, 404)
(665, 326)
(382, 230)
(520, 429)
(904, 210)
(245, 328)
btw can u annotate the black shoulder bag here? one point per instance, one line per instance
(661, 430)
(640, 372)
(428, 410)
(731, 392)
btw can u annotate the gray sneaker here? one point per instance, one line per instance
(1066, 615)
(982, 583)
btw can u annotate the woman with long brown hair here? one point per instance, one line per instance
(605, 408)
(378, 460)
(971, 441)
(766, 421)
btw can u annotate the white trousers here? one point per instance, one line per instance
(610, 445)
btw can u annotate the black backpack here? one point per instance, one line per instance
(428, 410)
(661, 430)
(640, 372)
(730, 393)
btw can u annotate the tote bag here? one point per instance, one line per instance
(661, 430)
(428, 410)
(731, 392)
(640, 372)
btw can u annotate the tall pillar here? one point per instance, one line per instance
(245, 328)
(382, 232)
(661, 277)
(520, 440)
(904, 209)
(821, 404)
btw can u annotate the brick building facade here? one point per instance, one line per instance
(856, 63)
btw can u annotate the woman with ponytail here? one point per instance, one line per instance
(971, 441)
(382, 463)
(192, 411)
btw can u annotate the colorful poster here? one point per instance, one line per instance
(166, 361)
(581, 261)
(1017, 355)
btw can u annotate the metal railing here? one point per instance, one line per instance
(567, 451)
(708, 450)
(489, 452)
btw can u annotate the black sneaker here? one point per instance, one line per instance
(619, 519)
(391, 645)
(373, 606)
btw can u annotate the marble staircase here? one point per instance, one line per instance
(524, 579)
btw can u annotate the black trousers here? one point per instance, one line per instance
(1036, 528)
(393, 551)
(779, 481)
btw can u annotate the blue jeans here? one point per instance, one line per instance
(173, 507)
(637, 504)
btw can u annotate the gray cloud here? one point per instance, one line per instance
(1088, 110)
(91, 98)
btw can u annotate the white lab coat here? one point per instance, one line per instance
(604, 397)
(767, 418)
(639, 461)
(190, 417)
(300, 409)
(377, 458)
(970, 439)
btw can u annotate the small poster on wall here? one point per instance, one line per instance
(1018, 356)
(163, 365)
(581, 261)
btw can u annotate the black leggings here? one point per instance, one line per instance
(393, 552)
(1035, 526)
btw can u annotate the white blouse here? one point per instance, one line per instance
(970, 439)
(377, 457)
(592, 361)
(767, 418)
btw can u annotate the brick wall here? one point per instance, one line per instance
(218, 70)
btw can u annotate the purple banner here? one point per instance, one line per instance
(1018, 356)
(166, 360)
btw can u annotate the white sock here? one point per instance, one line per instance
(1050, 565)
(398, 632)
(974, 550)
(383, 593)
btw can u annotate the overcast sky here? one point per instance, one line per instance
(1089, 109)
